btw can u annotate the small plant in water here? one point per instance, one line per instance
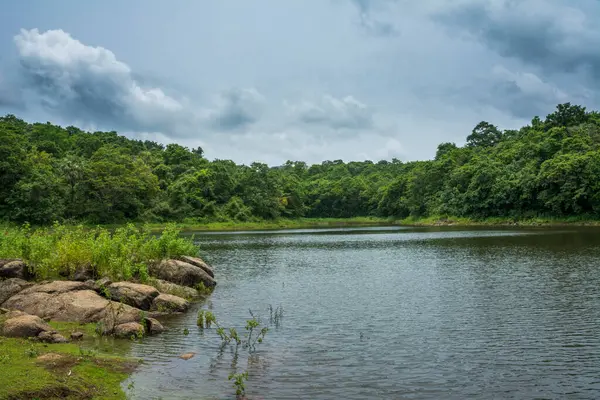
(205, 319)
(186, 331)
(238, 383)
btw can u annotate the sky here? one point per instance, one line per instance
(310, 80)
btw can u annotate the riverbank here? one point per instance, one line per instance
(315, 223)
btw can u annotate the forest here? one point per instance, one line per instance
(48, 173)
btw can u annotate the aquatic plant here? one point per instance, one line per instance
(238, 382)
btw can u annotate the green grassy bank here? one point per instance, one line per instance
(33, 370)
(306, 223)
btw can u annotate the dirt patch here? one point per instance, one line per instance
(57, 362)
(50, 392)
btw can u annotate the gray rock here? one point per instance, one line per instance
(129, 329)
(12, 286)
(76, 335)
(133, 294)
(169, 303)
(200, 263)
(14, 269)
(24, 326)
(52, 337)
(153, 326)
(174, 289)
(181, 273)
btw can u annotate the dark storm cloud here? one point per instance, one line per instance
(555, 36)
(237, 109)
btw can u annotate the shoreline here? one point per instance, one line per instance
(316, 223)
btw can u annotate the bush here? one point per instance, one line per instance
(124, 253)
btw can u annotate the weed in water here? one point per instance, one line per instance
(238, 382)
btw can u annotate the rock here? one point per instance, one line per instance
(57, 287)
(76, 306)
(175, 290)
(84, 306)
(133, 294)
(153, 326)
(12, 286)
(200, 263)
(169, 303)
(117, 314)
(52, 337)
(181, 273)
(76, 335)
(187, 356)
(14, 269)
(84, 273)
(129, 329)
(24, 326)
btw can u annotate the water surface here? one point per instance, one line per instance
(393, 313)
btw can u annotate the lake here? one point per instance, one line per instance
(392, 313)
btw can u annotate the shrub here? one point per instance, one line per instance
(125, 253)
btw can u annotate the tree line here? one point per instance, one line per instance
(48, 173)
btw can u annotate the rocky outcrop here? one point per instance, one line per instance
(182, 273)
(133, 294)
(169, 303)
(71, 301)
(13, 268)
(12, 286)
(200, 263)
(129, 329)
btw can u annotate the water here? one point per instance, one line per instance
(393, 313)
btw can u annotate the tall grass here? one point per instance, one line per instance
(60, 250)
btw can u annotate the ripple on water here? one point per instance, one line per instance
(405, 313)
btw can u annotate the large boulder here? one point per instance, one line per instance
(169, 303)
(200, 263)
(182, 273)
(128, 330)
(57, 287)
(12, 286)
(12, 268)
(174, 289)
(71, 301)
(23, 325)
(133, 294)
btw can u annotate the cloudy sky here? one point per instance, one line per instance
(313, 80)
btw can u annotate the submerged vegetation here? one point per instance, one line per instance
(547, 169)
(59, 251)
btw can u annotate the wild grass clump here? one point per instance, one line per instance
(125, 253)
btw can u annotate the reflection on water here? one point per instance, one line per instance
(411, 313)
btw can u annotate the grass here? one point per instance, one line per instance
(499, 221)
(282, 223)
(124, 253)
(302, 223)
(32, 370)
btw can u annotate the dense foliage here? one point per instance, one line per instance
(60, 251)
(550, 167)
